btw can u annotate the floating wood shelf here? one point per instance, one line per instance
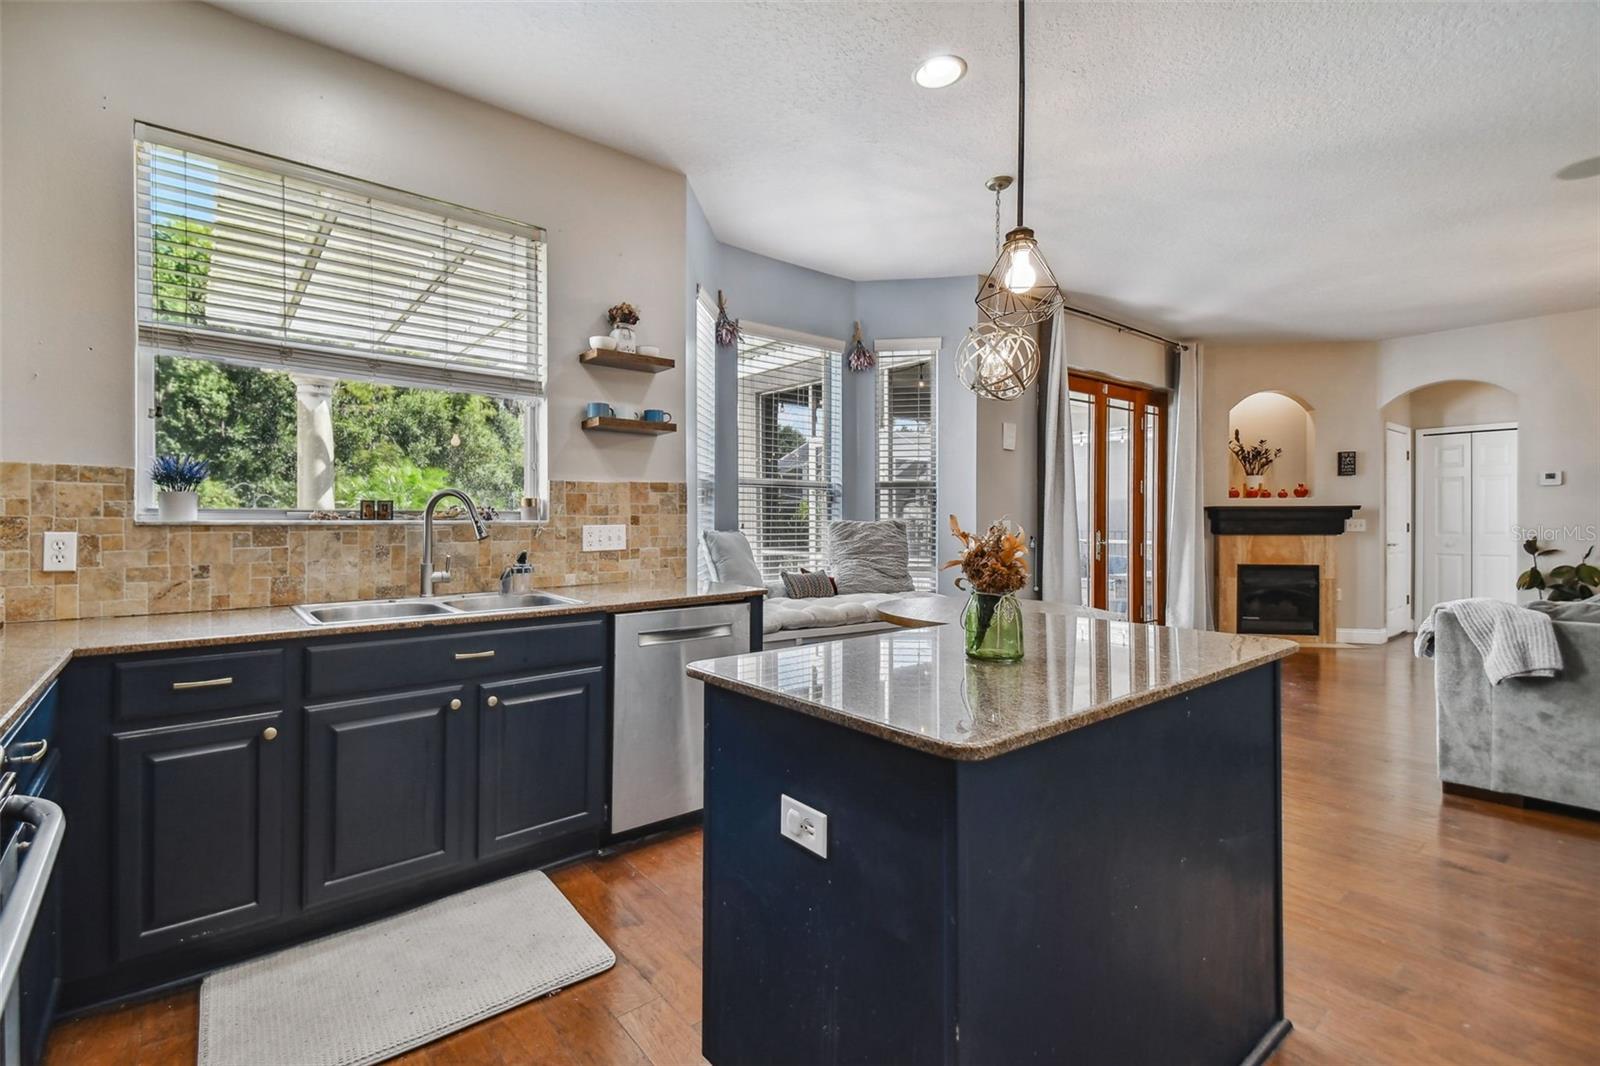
(648, 364)
(628, 425)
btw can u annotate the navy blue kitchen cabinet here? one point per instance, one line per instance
(234, 800)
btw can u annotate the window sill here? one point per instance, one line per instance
(151, 518)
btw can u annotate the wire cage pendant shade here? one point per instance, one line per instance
(999, 362)
(1020, 289)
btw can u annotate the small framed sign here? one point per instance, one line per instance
(1347, 464)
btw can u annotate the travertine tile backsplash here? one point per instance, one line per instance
(130, 569)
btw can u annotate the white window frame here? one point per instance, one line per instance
(928, 347)
(343, 366)
(702, 460)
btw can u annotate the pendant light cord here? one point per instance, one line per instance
(1022, 100)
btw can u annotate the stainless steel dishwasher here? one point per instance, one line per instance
(658, 719)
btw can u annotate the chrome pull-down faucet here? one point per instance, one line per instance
(429, 574)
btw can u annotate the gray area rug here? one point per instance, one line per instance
(367, 994)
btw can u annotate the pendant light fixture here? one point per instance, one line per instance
(994, 361)
(1020, 290)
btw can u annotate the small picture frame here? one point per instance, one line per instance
(385, 509)
(1347, 464)
(369, 510)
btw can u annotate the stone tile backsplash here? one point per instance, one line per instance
(126, 568)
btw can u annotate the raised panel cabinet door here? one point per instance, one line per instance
(384, 784)
(198, 831)
(541, 744)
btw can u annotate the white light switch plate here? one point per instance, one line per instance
(605, 538)
(60, 552)
(804, 825)
(1008, 436)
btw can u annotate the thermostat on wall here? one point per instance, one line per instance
(1552, 477)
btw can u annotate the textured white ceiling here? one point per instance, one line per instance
(1274, 169)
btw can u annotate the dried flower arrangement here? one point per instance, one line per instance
(623, 314)
(993, 563)
(1255, 458)
(860, 357)
(727, 328)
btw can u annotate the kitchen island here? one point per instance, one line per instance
(910, 857)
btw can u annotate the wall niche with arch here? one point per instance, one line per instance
(1284, 421)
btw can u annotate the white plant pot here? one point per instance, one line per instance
(1253, 481)
(178, 506)
(626, 340)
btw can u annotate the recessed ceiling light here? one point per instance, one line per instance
(938, 72)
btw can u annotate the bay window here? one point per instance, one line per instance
(320, 340)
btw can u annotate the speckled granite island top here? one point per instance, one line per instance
(32, 654)
(916, 687)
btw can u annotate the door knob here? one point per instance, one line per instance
(455, 705)
(269, 733)
(494, 701)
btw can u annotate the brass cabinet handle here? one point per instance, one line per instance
(270, 733)
(455, 705)
(215, 682)
(460, 655)
(494, 701)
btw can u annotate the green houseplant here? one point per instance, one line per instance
(1564, 583)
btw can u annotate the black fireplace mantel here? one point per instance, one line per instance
(1255, 520)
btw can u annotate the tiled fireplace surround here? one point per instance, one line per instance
(126, 568)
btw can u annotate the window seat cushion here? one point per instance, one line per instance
(858, 608)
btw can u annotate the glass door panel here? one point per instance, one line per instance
(1117, 542)
(1081, 411)
(1150, 477)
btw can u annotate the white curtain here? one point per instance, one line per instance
(1188, 577)
(1061, 580)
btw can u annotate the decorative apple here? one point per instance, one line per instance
(1301, 490)
(1283, 494)
(1233, 493)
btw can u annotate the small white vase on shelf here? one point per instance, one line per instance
(178, 506)
(1253, 481)
(622, 333)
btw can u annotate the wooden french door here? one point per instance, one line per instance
(1120, 464)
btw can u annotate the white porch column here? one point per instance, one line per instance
(313, 432)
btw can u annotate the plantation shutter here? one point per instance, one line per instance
(250, 259)
(789, 445)
(907, 451)
(705, 424)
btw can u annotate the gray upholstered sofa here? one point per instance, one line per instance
(1525, 737)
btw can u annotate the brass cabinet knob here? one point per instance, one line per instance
(455, 705)
(270, 733)
(494, 701)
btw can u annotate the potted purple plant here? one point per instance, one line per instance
(178, 478)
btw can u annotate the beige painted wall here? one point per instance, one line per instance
(1336, 381)
(75, 77)
(1282, 423)
(1459, 403)
(1552, 365)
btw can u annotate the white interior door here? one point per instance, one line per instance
(1447, 514)
(1397, 539)
(1494, 514)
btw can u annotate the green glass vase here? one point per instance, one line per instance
(993, 625)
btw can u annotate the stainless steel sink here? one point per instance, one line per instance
(332, 614)
(507, 601)
(327, 614)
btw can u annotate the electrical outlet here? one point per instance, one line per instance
(1355, 525)
(60, 552)
(804, 825)
(605, 538)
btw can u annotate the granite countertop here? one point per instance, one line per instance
(916, 687)
(33, 654)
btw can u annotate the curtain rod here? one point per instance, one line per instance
(1122, 327)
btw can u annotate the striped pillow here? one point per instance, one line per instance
(808, 584)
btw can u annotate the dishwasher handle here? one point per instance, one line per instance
(683, 636)
(33, 878)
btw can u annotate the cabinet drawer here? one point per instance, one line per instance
(352, 668)
(189, 684)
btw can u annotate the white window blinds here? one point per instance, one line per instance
(256, 260)
(907, 455)
(789, 444)
(705, 425)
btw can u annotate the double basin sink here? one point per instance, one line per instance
(330, 614)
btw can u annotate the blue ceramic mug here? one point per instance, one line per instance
(656, 414)
(597, 410)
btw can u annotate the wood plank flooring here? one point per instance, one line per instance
(1420, 928)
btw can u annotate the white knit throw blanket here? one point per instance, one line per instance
(1512, 641)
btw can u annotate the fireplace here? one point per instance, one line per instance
(1279, 599)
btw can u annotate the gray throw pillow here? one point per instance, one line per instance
(869, 556)
(808, 584)
(730, 558)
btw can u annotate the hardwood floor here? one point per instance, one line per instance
(1420, 928)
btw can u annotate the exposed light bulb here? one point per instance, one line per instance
(1020, 274)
